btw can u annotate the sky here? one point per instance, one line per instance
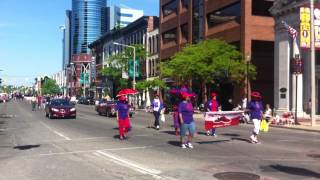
(30, 38)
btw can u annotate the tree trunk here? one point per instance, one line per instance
(204, 91)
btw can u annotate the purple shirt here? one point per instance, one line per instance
(123, 110)
(186, 109)
(256, 109)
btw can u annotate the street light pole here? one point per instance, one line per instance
(134, 63)
(313, 80)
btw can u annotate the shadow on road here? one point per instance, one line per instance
(293, 170)
(240, 139)
(26, 147)
(174, 143)
(212, 142)
(169, 132)
(230, 134)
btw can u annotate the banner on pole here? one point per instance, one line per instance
(222, 119)
(305, 27)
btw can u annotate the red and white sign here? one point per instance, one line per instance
(222, 119)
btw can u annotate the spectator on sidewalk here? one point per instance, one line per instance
(185, 110)
(256, 111)
(268, 113)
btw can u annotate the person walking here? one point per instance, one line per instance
(176, 119)
(187, 123)
(39, 101)
(122, 109)
(157, 106)
(256, 113)
(212, 106)
(33, 102)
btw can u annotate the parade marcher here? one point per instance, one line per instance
(157, 106)
(185, 110)
(176, 121)
(123, 117)
(256, 111)
(212, 106)
(39, 101)
(33, 102)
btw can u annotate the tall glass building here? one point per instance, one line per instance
(88, 23)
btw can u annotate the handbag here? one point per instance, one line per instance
(264, 126)
(162, 118)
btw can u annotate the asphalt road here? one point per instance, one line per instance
(37, 148)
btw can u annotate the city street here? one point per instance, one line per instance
(33, 147)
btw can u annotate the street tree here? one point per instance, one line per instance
(118, 64)
(210, 61)
(50, 87)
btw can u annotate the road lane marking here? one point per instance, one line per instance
(65, 137)
(54, 131)
(129, 164)
(89, 151)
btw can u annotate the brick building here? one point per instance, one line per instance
(246, 24)
(142, 31)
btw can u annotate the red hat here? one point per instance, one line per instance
(256, 95)
(185, 94)
(213, 94)
(122, 98)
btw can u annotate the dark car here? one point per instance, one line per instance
(56, 108)
(108, 108)
(86, 100)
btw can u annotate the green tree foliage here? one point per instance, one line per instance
(50, 87)
(210, 60)
(150, 84)
(119, 63)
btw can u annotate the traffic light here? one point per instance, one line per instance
(131, 68)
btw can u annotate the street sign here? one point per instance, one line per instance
(131, 70)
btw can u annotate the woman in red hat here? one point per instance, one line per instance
(256, 113)
(123, 117)
(187, 123)
(212, 106)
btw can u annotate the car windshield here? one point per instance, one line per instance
(60, 102)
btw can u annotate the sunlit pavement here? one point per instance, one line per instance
(35, 147)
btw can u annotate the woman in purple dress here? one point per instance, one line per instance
(256, 111)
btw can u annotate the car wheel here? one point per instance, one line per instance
(130, 115)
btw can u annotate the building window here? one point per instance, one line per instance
(170, 8)
(261, 7)
(185, 3)
(184, 31)
(124, 14)
(225, 14)
(169, 36)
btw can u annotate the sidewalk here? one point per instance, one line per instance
(305, 124)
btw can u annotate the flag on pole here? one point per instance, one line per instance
(292, 32)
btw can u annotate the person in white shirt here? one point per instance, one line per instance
(156, 106)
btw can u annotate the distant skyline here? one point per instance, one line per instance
(31, 42)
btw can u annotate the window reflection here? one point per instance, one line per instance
(169, 36)
(225, 14)
(170, 8)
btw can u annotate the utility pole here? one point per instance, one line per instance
(312, 61)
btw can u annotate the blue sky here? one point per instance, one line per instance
(30, 39)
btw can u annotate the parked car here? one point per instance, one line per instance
(86, 100)
(108, 108)
(60, 108)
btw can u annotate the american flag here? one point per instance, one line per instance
(292, 32)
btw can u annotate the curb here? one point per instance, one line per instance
(293, 128)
